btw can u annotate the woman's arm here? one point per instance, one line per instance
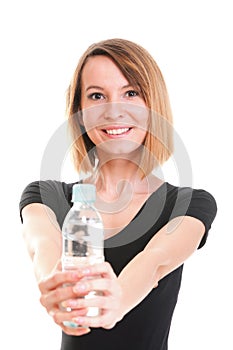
(166, 251)
(42, 236)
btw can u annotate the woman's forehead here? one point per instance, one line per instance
(101, 69)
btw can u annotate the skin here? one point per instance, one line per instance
(121, 192)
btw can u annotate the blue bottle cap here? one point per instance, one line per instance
(85, 193)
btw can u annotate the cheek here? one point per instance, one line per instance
(89, 123)
(140, 139)
(91, 117)
(92, 132)
(142, 121)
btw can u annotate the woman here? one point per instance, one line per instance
(121, 122)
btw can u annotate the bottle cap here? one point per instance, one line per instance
(85, 193)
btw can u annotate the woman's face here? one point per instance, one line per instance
(114, 113)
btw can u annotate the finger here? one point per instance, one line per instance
(101, 302)
(70, 303)
(68, 329)
(57, 296)
(58, 279)
(62, 318)
(103, 321)
(104, 285)
(77, 312)
(104, 269)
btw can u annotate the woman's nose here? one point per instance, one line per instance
(114, 110)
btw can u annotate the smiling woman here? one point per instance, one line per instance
(121, 123)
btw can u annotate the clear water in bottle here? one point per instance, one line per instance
(83, 238)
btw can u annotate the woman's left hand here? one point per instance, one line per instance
(101, 278)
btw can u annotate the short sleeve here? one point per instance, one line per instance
(199, 204)
(50, 193)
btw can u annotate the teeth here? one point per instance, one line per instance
(117, 131)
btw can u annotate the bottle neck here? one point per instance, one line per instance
(83, 205)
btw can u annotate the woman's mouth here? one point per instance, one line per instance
(120, 131)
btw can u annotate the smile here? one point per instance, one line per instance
(119, 131)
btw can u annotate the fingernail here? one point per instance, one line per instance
(71, 303)
(78, 320)
(70, 324)
(75, 275)
(80, 287)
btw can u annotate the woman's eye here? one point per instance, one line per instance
(96, 96)
(131, 93)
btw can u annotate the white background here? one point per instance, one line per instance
(191, 41)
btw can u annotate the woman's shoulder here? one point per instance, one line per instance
(188, 192)
(54, 194)
(180, 200)
(195, 202)
(49, 185)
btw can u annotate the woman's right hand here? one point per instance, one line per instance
(57, 288)
(42, 235)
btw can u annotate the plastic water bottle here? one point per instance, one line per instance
(83, 237)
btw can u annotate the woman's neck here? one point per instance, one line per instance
(116, 176)
(121, 178)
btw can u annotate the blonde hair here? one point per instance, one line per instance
(141, 70)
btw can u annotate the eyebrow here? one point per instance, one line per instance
(94, 87)
(100, 88)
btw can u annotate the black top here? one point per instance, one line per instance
(146, 327)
